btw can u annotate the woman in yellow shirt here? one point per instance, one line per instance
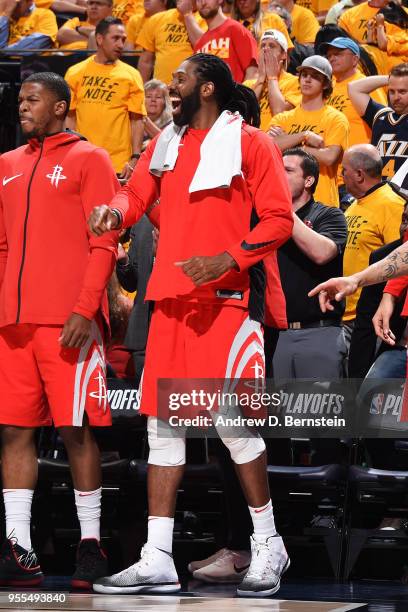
(251, 15)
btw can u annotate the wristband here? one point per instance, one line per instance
(190, 14)
(272, 78)
(118, 216)
(135, 156)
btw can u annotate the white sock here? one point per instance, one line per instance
(17, 504)
(88, 505)
(263, 521)
(160, 532)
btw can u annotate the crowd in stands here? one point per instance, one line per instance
(332, 84)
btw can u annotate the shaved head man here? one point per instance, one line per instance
(373, 220)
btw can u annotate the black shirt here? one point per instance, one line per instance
(299, 274)
(390, 136)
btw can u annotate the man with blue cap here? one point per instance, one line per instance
(343, 54)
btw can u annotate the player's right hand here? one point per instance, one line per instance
(102, 220)
(381, 319)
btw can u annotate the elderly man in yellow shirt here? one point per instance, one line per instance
(373, 220)
(276, 89)
(23, 26)
(343, 55)
(168, 39)
(107, 99)
(76, 33)
(322, 130)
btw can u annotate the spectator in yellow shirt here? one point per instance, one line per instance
(24, 26)
(320, 8)
(251, 15)
(168, 39)
(321, 129)
(137, 22)
(304, 24)
(373, 220)
(388, 42)
(276, 89)
(107, 99)
(125, 9)
(355, 20)
(75, 33)
(344, 54)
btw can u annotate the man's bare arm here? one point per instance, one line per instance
(359, 91)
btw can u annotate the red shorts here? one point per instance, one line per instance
(42, 382)
(195, 340)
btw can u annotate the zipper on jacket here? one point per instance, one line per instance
(25, 235)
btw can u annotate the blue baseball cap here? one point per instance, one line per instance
(341, 42)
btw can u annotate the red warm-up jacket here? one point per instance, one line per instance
(50, 266)
(212, 221)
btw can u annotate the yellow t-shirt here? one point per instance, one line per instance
(166, 36)
(270, 21)
(103, 95)
(334, 129)
(289, 86)
(354, 21)
(134, 26)
(71, 24)
(304, 25)
(125, 9)
(316, 6)
(359, 130)
(38, 21)
(372, 221)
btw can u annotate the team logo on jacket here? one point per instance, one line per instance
(56, 175)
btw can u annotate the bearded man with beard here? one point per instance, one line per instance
(224, 207)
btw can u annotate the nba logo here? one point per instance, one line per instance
(377, 403)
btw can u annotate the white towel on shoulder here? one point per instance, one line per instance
(220, 153)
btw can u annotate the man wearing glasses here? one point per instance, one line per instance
(79, 33)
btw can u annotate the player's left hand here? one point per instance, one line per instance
(204, 269)
(75, 331)
(334, 289)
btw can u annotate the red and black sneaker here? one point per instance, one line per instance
(18, 566)
(91, 564)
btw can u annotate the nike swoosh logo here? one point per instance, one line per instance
(241, 569)
(11, 178)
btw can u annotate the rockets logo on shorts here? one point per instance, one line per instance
(90, 376)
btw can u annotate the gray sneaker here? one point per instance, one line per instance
(153, 573)
(269, 561)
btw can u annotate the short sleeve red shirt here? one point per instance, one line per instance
(234, 44)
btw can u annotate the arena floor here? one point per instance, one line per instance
(294, 596)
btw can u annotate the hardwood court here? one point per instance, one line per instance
(150, 603)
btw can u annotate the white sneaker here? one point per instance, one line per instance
(269, 561)
(230, 566)
(195, 565)
(153, 573)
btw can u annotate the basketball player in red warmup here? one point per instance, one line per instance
(53, 276)
(224, 206)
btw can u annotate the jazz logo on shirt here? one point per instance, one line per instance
(219, 47)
